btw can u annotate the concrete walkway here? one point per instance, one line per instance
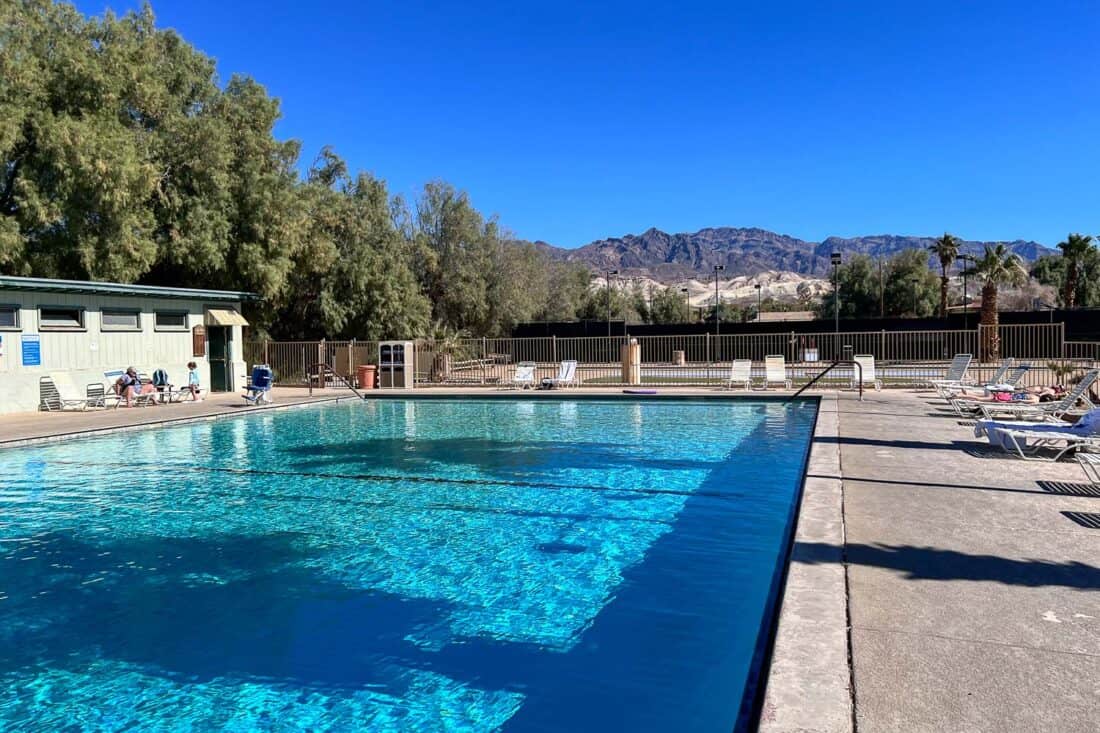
(28, 426)
(974, 599)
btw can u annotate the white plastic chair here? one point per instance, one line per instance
(775, 371)
(866, 373)
(524, 376)
(740, 374)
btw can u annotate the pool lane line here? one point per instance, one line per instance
(399, 479)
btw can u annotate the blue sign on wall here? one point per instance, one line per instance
(32, 350)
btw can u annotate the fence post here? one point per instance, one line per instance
(708, 347)
(351, 358)
(1062, 339)
(882, 346)
(553, 348)
(266, 360)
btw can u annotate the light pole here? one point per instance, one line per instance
(687, 300)
(835, 259)
(966, 299)
(607, 274)
(717, 313)
(759, 306)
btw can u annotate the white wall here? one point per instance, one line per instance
(85, 355)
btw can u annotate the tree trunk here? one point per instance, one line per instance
(943, 295)
(990, 347)
(1070, 296)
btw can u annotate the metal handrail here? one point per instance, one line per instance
(322, 369)
(825, 371)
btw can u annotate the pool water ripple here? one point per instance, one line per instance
(399, 565)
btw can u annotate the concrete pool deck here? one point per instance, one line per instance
(30, 427)
(955, 592)
(974, 597)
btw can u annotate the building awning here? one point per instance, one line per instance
(224, 317)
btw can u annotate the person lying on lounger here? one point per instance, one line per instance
(129, 385)
(1027, 395)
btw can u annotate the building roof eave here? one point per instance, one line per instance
(89, 287)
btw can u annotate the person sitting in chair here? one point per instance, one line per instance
(129, 385)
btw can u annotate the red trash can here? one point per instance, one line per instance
(366, 376)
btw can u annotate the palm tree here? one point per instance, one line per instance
(1074, 250)
(946, 249)
(995, 268)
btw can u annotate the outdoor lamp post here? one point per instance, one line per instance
(835, 259)
(966, 300)
(759, 304)
(607, 275)
(687, 300)
(717, 313)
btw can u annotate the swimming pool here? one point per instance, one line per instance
(457, 565)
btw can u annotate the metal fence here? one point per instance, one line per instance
(903, 357)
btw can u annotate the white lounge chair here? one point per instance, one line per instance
(1044, 411)
(1028, 439)
(740, 374)
(964, 405)
(867, 362)
(567, 376)
(524, 376)
(1090, 464)
(956, 374)
(775, 371)
(56, 393)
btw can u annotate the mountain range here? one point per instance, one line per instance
(745, 251)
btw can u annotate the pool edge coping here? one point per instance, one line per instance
(165, 423)
(808, 686)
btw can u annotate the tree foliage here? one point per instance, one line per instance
(126, 159)
(1078, 253)
(946, 250)
(996, 268)
(904, 286)
(1051, 270)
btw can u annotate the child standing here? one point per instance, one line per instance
(193, 381)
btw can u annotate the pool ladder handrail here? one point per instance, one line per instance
(320, 369)
(825, 371)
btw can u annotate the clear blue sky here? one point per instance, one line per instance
(576, 122)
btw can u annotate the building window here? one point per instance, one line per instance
(9, 318)
(114, 319)
(57, 318)
(171, 320)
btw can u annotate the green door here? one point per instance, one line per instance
(218, 339)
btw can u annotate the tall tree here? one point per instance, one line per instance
(858, 286)
(911, 287)
(946, 250)
(1076, 249)
(996, 268)
(669, 306)
(1050, 270)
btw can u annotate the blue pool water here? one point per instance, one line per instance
(422, 565)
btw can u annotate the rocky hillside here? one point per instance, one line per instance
(671, 257)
